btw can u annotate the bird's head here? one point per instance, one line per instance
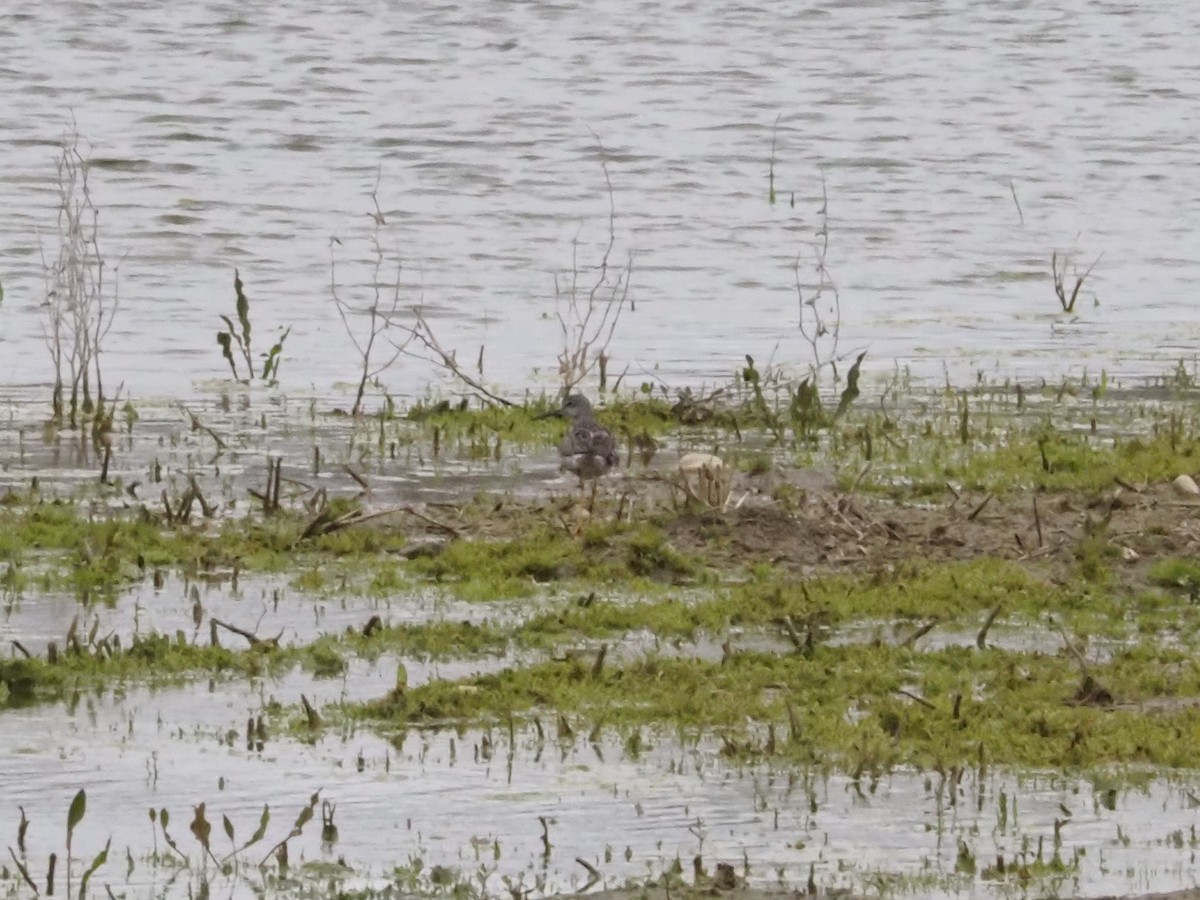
(576, 406)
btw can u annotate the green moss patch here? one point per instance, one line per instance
(859, 708)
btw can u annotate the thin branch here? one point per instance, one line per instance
(822, 332)
(253, 639)
(1012, 186)
(916, 698)
(920, 632)
(423, 334)
(382, 314)
(588, 321)
(981, 638)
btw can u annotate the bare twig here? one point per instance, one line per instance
(253, 639)
(981, 639)
(974, 514)
(322, 524)
(588, 316)
(916, 698)
(920, 632)
(358, 478)
(1128, 485)
(858, 478)
(24, 872)
(310, 713)
(197, 425)
(593, 872)
(382, 312)
(434, 523)
(79, 306)
(820, 326)
(423, 335)
(598, 665)
(1059, 272)
(1070, 645)
(794, 636)
(1012, 186)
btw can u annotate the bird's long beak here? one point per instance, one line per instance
(549, 414)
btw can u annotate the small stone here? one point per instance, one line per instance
(1130, 555)
(1186, 486)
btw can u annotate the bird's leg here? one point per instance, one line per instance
(621, 507)
(592, 501)
(581, 512)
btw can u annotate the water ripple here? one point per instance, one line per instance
(273, 120)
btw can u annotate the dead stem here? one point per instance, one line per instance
(920, 632)
(915, 698)
(974, 514)
(981, 639)
(253, 639)
(382, 313)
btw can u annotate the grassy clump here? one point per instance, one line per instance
(851, 707)
(493, 570)
(155, 657)
(57, 545)
(943, 592)
(608, 555)
(1008, 439)
(521, 425)
(159, 658)
(1060, 461)
(443, 639)
(1177, 573)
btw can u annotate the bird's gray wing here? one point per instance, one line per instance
(592, 439)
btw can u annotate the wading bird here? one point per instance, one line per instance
(588, 448)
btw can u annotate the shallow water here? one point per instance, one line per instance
(225, 442)
(440, 798)
(246, 135)
(413, 796)
(268, 607)
(958, 144)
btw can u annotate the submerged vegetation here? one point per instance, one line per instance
(946, 582)
(950, 509)
(889, 580)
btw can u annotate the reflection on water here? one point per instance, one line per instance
(960, 145)
(266, 606)
(449, 800)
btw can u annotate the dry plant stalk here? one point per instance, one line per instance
(1059, 271)
(588, 315)
(433, 352)
(78, 307)
(382, 312)
(820, 327)
(705, 479)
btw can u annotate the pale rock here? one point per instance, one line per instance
(1186, 486)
